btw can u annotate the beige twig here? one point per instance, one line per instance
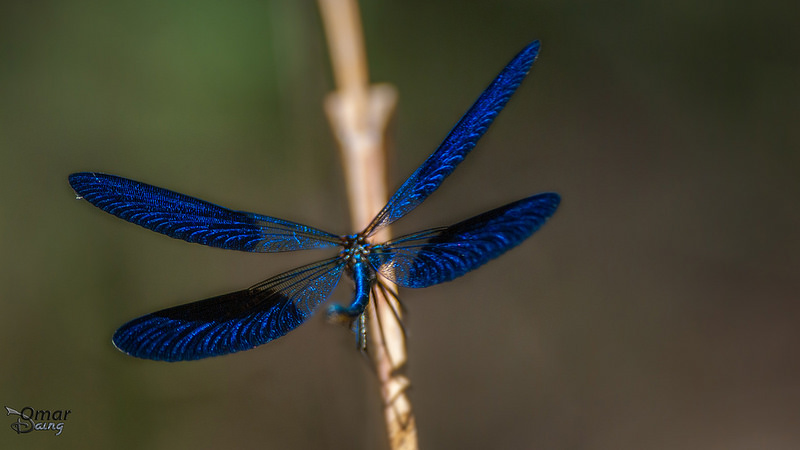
(359, 114)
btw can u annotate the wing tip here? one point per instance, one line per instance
(554, 197)
(548, 202)
(534, 46)
(529, 54)
(79, 180)
(122, 342)
(75, 179)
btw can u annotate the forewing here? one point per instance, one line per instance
(442, 254)
(459, 142)
(193, 220)
(232, 322)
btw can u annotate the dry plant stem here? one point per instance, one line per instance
(359, 114)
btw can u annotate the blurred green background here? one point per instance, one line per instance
(658, 309)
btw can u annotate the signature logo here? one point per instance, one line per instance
(29, 419)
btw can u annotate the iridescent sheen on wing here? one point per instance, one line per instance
(459, 142)
(441, 254)
(194, 220)
(232, 322)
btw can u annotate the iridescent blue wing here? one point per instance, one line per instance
(442, 254)
(193, 220)
(231, 322)
(458, 143)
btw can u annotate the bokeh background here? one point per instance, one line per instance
(658, 309)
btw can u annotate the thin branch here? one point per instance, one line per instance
(359, 114)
